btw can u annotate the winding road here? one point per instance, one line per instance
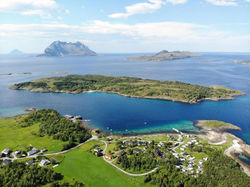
(127, 173)
(92, 138)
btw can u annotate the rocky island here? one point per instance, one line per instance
(59, 48)
(165, 56)
(130, 87)
(246, 62)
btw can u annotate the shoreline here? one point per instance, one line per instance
(232, 97)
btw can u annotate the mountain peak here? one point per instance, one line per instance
(61, 48)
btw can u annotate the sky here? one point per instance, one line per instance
(126, 26)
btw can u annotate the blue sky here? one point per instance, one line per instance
(113, 26)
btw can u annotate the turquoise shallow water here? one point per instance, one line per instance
(184, 126)
(128, 115)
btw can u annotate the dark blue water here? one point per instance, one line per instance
(119, 114)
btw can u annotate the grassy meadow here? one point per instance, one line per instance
(93, 171)
(15, 137)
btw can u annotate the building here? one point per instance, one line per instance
(136, 150)
(110, 138)
(29, 162)
(44, 150)
(33, 151)
(96, 131)
(141, 143)
(6, 151)
(6, 161)
(44, 162)
(78, 117)
(157, 152)
(161, 144)
(68, 116)
(17, 152)
(108, 156)
(98, 151)
(121, 153)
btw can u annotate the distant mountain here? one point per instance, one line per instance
(165, 55)
(59, 48)
(16, 52)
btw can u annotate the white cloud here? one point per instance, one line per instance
(139, 8)
(138, 37)
(28, 7)
(146, 7)
(67, 11)
(177, 1)
(223, 2)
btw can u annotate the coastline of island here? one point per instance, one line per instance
(164, 55)
(175, 91)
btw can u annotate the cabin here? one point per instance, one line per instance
(98, 151)
(68, 116)
(44, 150)
(110, 138)
(108, 156)
(17, 152)
(6, 152)
(96, 131)
(157, 152)
(121, 153)
(78, 117)
(33, 151)
(141, 143)
(6, 161)
(175, 144)
(29, 162)
(44, 162)
(136, 151)
(160, 144)
(128, 143)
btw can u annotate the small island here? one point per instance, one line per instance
(245, 62)
(165, 56)
(129, 87)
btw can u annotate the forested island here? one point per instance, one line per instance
(165, 56)
(130, 87)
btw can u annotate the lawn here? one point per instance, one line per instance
(15, 137)
(93, 171)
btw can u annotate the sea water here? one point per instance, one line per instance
(118, 114)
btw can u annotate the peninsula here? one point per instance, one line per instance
(165, 56)
(130, 87)
(59, 48)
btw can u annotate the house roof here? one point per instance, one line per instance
(108, 155)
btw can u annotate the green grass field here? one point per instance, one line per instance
(93, 171)
(216, 124)
(15, 137)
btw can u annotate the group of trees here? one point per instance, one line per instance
(128, 86)
(51, 123)
(138, 162)
(20, 174)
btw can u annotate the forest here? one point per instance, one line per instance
(51, 123)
